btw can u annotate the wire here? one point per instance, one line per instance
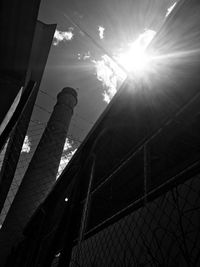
(53, 98)
(70, 137)
(38, 106)
(45, 93)
(105, 51)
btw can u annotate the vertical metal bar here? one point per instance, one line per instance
(36, 241)
(65, 228)
(87, 202)
(146, 172)
(86, 208)
(66, 253)
(13, 151)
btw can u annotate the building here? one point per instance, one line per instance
(24, 49)
(39, 53)
(130, 195)
(18, 22)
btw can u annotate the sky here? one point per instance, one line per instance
(89, 32)
(111, 23)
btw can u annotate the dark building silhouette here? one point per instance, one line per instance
(40, 49)
(133, 185)
(24, 49)
(18, 21)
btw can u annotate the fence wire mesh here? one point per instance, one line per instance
(164, 232)
(31, 141)
(142, 212)
(20, 202)
(26, 151)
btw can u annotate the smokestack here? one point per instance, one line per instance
(42, 170)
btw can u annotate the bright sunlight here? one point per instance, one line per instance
(132, 58)
(135, 59)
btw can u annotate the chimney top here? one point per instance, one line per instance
(68, 90)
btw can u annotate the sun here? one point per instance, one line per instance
(130, 60)
(135, 59)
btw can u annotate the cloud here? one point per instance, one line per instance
(68, 152)
(64, 161)
(169, 10)
(101, 32)
(79, 56)
(84, 56)
(61, 36)
(26, 145)
(68, 144)
(133, 59)
(3, 152)
(109, 74)
(133, 56)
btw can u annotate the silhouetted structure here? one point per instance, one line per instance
(133, 185)
(41, 173)
(40, 49)
(18, 20)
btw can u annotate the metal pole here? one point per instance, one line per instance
(146, 172)
(87, 203)
(66, 227)
(66, 253)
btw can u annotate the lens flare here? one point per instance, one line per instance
(135, 59)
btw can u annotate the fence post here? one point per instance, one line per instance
(147, 181)
(87, 203)
(67, 250)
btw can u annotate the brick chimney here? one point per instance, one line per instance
(42, 170)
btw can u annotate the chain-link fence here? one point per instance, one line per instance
(27, 151)
(144, 212)
(19, 150)
(138, 210)
(164, 232)
(15, 159)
